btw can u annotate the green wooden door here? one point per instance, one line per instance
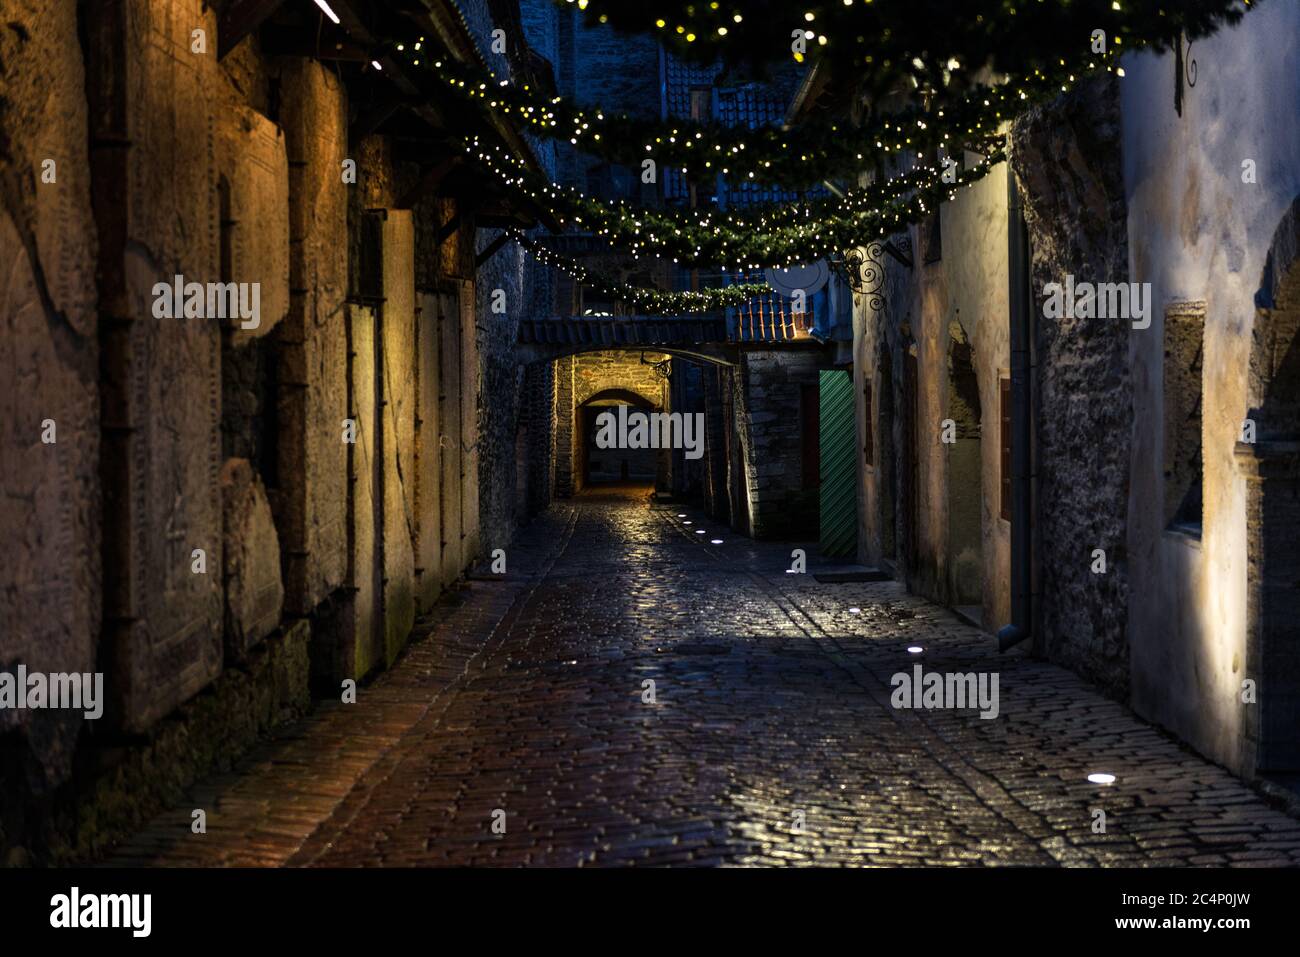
(838, 431)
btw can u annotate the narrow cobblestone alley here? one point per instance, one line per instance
(772, 703)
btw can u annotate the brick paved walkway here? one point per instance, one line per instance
(772, 702)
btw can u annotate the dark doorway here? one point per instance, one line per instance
(621, 466)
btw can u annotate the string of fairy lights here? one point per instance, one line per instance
(647, 300)
(913, 197)
(951, 114)
(884, 43)
(803, 155)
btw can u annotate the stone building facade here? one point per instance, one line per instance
(1162, 460)
(225, 516)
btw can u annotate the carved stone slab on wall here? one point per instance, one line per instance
(397, 387)
(255, 211)
(428, 507)
(364, 567)
(471, 390)
(153, 156)
(49, 512)
(311, 506)
(251, 560)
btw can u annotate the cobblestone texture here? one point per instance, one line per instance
(772, 698)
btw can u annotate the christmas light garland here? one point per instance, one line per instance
(798, 157)
(883, 42)
(654, 232)
(650, 301)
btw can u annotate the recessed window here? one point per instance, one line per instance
(1184, 345)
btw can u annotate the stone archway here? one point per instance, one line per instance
(620, 466)
(1271, 466)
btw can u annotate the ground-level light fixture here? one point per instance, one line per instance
(328, 12)
(699, 531)
(1101, 777)
(855, 611)
(715, 541)
(681, 514)
(914, 650)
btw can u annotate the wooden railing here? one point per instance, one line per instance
(771, 318)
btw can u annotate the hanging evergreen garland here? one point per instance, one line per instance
(903, 200)
(887, 42)
(799, 157)
(646, 300)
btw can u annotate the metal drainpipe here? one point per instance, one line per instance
(1022, 433)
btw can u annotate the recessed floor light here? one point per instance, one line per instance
(699, 531)
(1099, 777)
(716, 541)
(688, 523)
(915, 650)
(681, 514)
(855, 611)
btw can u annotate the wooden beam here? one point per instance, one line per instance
(241, 17)
(331, 44)
(491, 250)
(375, 117)
(449, 227)
(428, 181)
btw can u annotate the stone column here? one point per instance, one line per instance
(564, 427)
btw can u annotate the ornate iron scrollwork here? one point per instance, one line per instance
(663, 368)
(1184, 69)
(864, 270)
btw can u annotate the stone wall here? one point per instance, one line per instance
(153, 106)
(311, 498)
(585, 376)
(213, 515)
(1067, 162)
(597, 372)
(779, 501)
(1207, 193)
(50, 512)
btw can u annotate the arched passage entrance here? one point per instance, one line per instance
(605, 466)
(1271, 465)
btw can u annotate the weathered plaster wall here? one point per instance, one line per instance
(978, 290)
(1198, 232)
(956, 303)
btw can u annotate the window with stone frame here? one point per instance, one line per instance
(1184, 344)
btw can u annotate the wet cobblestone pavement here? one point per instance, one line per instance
(772, 706)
